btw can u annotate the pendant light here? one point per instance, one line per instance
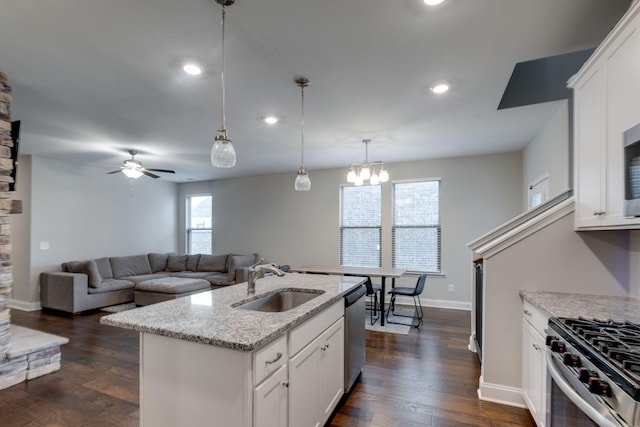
(361, 172)
(223, 155)
(303, 183)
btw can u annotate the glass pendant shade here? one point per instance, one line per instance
(365, 172)
(351, 176)
(303, 183)
(132, 173)
(374, 179)
(359, 181)
(384, 175)
(223, 155)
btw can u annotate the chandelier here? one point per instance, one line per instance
(223, 155)
(361, 172)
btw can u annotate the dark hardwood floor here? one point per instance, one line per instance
(427, 378)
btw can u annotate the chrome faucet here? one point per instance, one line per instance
(257, 270)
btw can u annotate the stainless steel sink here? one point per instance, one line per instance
(280, 301)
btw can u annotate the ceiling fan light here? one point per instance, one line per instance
(223, 155)
(384, 175)
(303, 183)
(351, 176)
(132, 173)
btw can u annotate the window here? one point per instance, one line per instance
(416, 231)
(199, 233)
(360, 225)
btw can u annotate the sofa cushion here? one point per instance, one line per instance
(192, 274)
(130, 265)
(89, 268)
(192, 262)
(142, 277)
(212, 263)
(219, 279)
(110, 285)
(104, 267)
(172, 285)
(158, 262)
(176, 263)
(236, 261)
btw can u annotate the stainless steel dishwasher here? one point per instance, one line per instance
(354, 341)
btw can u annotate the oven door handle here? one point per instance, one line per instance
(572, 395)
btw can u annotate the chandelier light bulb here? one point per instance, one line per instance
(132, 173)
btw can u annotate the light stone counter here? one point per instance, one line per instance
(603, 307)
(209, 317)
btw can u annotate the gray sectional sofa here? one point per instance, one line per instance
(143, 279)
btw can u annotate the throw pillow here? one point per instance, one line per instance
(177, 263)
(89, 268)
(158, 262)
(104, 268)
(212, 263)
(192, 262)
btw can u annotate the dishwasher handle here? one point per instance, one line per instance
(354, 295)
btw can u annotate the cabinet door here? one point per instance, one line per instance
(270, 401)
(331, 370)
(303, 386)
(533, 372)
(589, 116)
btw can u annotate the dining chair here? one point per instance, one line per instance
(410, 292)
(372, 294)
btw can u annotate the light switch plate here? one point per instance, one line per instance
(44, 246)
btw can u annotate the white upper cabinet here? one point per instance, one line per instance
(607, 92)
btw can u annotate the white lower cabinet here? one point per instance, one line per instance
(270, 400)
(534, 368)
(316, 378)
(296, 380)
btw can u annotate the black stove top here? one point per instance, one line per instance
(613, 347)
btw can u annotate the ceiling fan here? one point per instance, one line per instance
(133, 168)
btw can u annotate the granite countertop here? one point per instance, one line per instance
(209, 317)
(603, 307)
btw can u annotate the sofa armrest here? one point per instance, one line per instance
(64, 291)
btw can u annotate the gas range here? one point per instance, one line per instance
(601, 359)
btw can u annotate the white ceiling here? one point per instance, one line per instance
(92, 79)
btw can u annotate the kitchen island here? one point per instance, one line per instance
(204, 361)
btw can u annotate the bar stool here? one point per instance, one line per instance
(410, 292)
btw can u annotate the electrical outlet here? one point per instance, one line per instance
(451, 287)
(44, 246)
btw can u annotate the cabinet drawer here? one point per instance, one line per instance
(534, 316)
(303, 334)
(267, 360)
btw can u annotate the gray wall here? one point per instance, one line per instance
(548, 153)
(555, 259)
(264, 214)
(83, 213)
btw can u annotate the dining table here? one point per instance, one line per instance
(377, 272)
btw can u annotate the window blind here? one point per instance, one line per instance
(360, 226)
(199, 232)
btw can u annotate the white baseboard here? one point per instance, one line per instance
(437, 303)
(500, 394)
(24, 305)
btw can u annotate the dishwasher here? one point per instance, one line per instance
(354, 341)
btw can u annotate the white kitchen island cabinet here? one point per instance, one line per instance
(534, 369)
(606, 93)
(206, 362)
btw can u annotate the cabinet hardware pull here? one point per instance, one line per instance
(536, 346)
(324, 347)
(278, 357)
(527, 312)
(285, 384)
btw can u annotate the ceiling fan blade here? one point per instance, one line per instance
(160, 170)
(146, 172)
(119, 170)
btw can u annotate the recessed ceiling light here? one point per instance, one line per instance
(271, 120)
(192, 69)
(440, 88)
(432, 2)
